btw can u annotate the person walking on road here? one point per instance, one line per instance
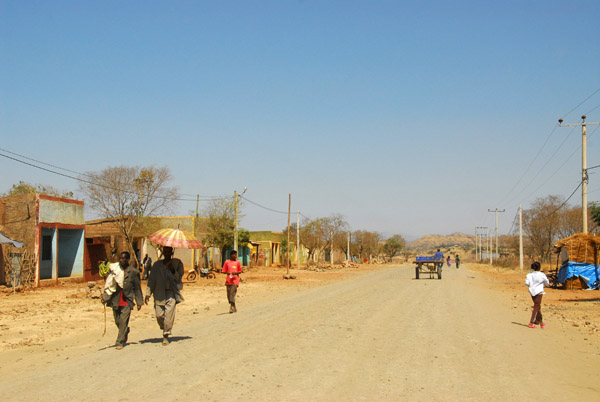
(449, 262)
(165, 284)
(122, 287)
(147, 264)
(536, 281)
(233, 269)
(457, 260)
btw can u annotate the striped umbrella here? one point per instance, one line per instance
(175, 238)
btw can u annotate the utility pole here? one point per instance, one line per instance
(489, 246)
(584, 175)
(520, 237)
(298, 240)
(289, 246)
(331, 236)
(480, 238)
(195, 225)
(235, 227)
(348, 249)
(496, 211)
(476, 244)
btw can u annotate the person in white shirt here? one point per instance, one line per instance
(536, 281)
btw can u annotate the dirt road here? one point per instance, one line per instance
(378, 336)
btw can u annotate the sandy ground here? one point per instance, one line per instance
(372, 333)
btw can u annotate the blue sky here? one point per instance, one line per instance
(405, 117)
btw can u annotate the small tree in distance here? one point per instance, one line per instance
(393, 246)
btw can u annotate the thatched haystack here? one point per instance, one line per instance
(583, 248)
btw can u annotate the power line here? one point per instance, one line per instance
(87, 181)
(563, 204)
(263, 207)
(513, 222)
(85, 174)
(582, 102)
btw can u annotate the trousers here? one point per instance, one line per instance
(165, 315)
(536, 313)
(122, 315)
(231, 292)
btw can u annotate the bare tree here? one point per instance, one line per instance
(312, 234)
(129, 194)
(365, 243)
(541, 224)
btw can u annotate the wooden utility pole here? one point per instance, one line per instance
(298, 240)
(235, 221)
(235, 227)
(289, 246)
(584, 175)
(195, 225)
(520, 237)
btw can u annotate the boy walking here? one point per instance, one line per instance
(536, 280)
(233, 269)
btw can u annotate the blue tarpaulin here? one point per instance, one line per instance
(590, 273)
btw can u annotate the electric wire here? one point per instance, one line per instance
(513, 222)
(591, 110)
(563, 204)
(262, 206)
(532, 162)
(544, 166)
(582, 102)
(507, 197)
(87, 174)
(87, 181)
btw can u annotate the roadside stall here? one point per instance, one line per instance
(578, 261)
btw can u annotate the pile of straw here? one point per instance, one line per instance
(584, 248)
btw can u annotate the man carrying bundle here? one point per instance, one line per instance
(121, 288)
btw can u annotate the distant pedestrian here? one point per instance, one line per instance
(449, 262)
(233, 269)
(147, 265)
(121, 288)
(165, 284)
(536, 281)
(457, 260)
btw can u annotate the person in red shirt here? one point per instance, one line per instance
(233, 269)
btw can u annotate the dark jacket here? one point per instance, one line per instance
(132, 290)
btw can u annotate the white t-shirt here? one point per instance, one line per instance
(536, 280)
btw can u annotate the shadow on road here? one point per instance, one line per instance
(518, 323)
(171, 339)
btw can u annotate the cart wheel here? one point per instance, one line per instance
(439, 272)
(417, 272)
(211, 275)
(191, 276)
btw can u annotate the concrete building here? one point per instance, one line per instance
(52, 230)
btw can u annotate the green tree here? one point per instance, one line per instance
(221, 224)
(393, 246)
(26, 188)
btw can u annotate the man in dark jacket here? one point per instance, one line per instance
(121, 289)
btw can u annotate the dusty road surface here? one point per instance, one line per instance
(380, 335)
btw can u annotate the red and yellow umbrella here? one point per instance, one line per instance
(175, 238)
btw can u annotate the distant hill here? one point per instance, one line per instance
(434, 241)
